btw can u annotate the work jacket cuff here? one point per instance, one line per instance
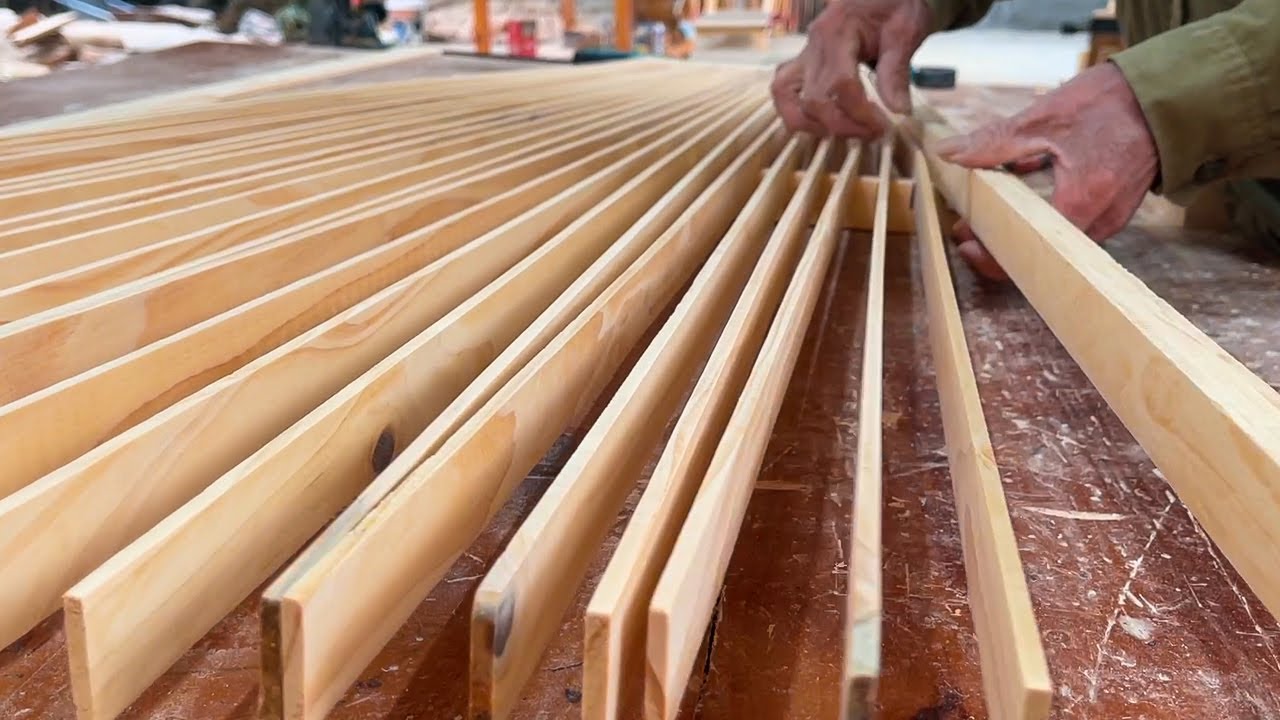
(1202, 102)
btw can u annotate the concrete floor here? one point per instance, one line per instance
(1022, 58)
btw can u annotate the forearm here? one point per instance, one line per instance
(953, 14)
(1210, 92)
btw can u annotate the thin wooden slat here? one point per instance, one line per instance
(613, 653)
(227, 132)
(434, 514)
(37, 197)
(1207, 422)
(687, 590)
(127, 213)
(534, 580)
(1015, 672)
(115, 256)
(141, 383)
(63, 525)
(308, 473)
(202, 104)
(864, 603)
(105, 326)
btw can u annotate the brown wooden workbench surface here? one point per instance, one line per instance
(1141, 616)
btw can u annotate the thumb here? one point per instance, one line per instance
(893, 77)
(991, 146)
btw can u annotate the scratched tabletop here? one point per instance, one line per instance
(1141, 616)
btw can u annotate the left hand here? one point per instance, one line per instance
(1091, 132)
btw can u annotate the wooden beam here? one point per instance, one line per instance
(1207, 422)
(102, 327)
(484, 39)
(325, 457)
(689, 585)
(533, 582)
(51, 554)
(624, 18)
(435, 515)
(613, 654)
(1014, 670)
(864, 600)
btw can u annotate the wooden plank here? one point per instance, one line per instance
(111, 258)
(43, 28)
(690, 583)
(1015, 672)
(105, 326)
(864, 603)
(483, 39)
(301, 478)
(533, 582)
(95, 517)
(434, 514)
(1207, 422)
(613, 654)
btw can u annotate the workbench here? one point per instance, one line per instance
(1140, 615)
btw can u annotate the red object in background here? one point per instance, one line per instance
(522, 37)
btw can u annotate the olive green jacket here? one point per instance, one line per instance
(1207, 75)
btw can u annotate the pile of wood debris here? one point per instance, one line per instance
(32, 45)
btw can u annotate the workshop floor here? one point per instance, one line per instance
(1141, 617)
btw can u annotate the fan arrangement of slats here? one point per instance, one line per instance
(343, 325)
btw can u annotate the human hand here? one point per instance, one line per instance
(1091, 132)
(820, 91)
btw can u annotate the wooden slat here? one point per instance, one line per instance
(1015, 672)
(74, 510)
(114, 223)
(1207, 422)
(865, 601)
(38, 197)
(105, 326)
(301, 478)
(533, 582)
(129, 255)
(95, 517)
(228, 131)
(436, 512)
(613, 654)
(687, 590)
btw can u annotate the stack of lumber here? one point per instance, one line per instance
(267, 341)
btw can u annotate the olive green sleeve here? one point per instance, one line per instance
(952, 14)
(1210, 91)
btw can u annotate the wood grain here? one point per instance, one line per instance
(435, 516)
(102, 327)
(539, 572)
(1207, 422)
(687, 590)
(613, 645)
(1014, 669)
(304, 476)
(865, 603)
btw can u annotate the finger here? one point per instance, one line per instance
(851, 99)
(975, 254)
(991, 146)
(786, 99)
(893, 75)
(1077, 204)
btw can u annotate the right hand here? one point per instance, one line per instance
(820, 91)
